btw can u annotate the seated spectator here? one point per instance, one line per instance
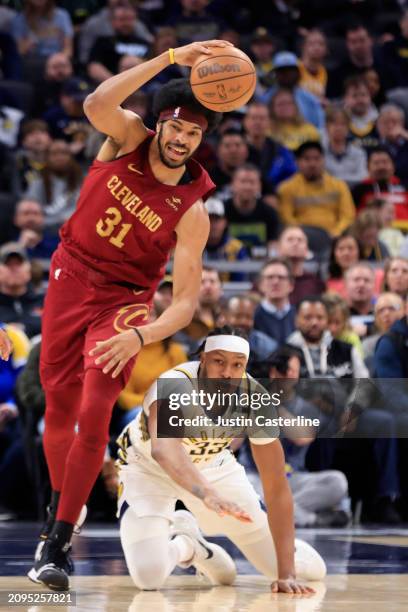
(391, 237)
(360, 56)
(232, 152)
(343, 160)
(394, 136)
(361, 112)
(382, 183)
(262, 48)
(164, 292)
(313, 74)
(339, 320)
(287, 124)
(287, 76)
(293, 246)
(42, 29)
(275, 161)
(279, 17)
(240, 313)
(275, 316)
(366, 229)
(19, 305)
(388, 309)
(333, 209)
(396, 276)
(58, 187)
(375, 87)
(395, 57)
(32, 156)
(10, 118)
(360, 296)
(194, 22)
(58, 70)
(6, 17)
(165, 38)
(107, 50)
(317, 496)
(220, 245)
(101, 25)
(29, 220)
(249, 218)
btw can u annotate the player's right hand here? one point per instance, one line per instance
(222, 506)
(187, 55)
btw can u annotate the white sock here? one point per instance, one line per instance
(184, 547)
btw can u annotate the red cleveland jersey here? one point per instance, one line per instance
(125, 218)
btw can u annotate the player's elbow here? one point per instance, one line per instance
(93, 106)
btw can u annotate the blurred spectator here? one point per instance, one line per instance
(6, 17)
(262, 49)
(275, 316)
(366, 229)
(275, 161)
(10, 119)
(313, 74)
(232, 152)
(360, 296)
(108, 50)
(29, 219)
(388, 309)
(164, 292)
(375, 88)
(391, 355)
(58, 187)
(343, 160)
(394, 136)
(391, 237)
(345, 252)
(339, 320)
(240, 313)
(333, 209)
(360, 53)
(165, 38)
(361, 112)
(58, 70)
(220, 245)
(395, 56)
(287, 75)
(42, 29)
(80, 10)
(19, 305)
(293, 246)
(31, 157)
(396, 276)
(249, 218)
(279, 17)
(194, 22)
(8, 173)
(101, 25)
(10, 61)
(382, 183)
(287, 124)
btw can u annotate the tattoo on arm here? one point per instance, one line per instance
(198, 491)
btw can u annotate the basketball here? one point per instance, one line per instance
(224, 80)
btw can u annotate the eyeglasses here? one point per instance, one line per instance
(279, 277)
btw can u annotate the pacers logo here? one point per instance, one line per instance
(130, 316)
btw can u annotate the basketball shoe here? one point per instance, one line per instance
(208, 558)
(54, 564)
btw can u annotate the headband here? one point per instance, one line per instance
(223, 342)
(185, 114)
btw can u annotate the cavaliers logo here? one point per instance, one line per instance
(130, 316)
(173, 202)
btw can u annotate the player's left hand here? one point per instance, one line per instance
(6, 346)
(116, 351)
(291, 585)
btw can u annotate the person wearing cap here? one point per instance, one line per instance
(18, 302)
(262, 49)
(221, 246)
(200, 471)
(287, 76)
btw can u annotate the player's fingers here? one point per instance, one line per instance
(105, 356)
(119, 368)
(111, 364)
(101, 346)
(274, 587)
(218, 43)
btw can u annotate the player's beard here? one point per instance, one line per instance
(164, 160)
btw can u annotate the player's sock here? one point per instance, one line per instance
(184, 548)
(51, 515)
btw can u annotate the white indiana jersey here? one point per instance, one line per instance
(203, 450)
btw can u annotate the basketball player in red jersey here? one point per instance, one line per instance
(143, 197)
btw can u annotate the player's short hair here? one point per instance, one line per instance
(178, 92)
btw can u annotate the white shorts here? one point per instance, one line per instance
(149, 491)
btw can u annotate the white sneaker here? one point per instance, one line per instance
(208, 559)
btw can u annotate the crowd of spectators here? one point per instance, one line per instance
(308, 244)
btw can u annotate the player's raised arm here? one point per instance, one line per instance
(103, 109)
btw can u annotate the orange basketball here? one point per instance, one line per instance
(224, 80)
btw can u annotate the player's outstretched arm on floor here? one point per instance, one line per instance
(270, 461)
(173, 459)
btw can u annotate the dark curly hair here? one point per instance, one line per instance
(178, 92)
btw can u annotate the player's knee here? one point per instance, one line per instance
(92, 441)
(309, 564)
(148, 575)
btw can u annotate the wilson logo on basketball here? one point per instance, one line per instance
(216, 69)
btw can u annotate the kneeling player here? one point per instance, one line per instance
(204, 475)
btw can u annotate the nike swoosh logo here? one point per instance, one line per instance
(134, 169)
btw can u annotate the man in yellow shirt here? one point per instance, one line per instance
(314, 197)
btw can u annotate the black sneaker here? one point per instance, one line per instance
(47, 528)
(332, 518)
(53, 567)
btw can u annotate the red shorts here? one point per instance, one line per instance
(82, 307)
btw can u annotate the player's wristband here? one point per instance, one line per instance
(139, 335)
(171, 56)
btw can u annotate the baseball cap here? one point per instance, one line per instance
(76, 88)
(261, 35)
(285, 59)
(166, 281)
(215, 207)
(12, 248)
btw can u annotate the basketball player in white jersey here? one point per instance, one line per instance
(155, 472)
